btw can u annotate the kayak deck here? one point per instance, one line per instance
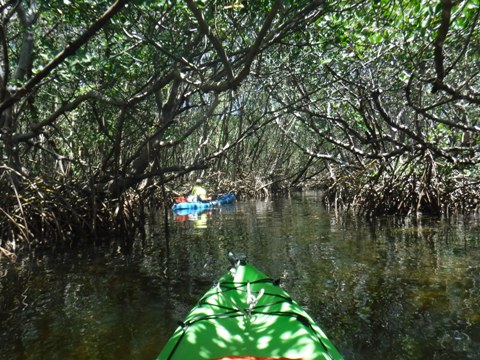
(246, 314)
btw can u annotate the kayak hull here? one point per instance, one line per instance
(247, 315)
(203, 205)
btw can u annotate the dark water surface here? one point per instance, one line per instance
(389, 289)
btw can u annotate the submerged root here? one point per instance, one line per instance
(8, 254)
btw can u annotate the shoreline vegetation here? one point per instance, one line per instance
(44, 215)
(108, 108)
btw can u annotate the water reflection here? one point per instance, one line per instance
(199, 218)
(389, 288)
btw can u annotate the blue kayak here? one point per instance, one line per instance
(201, 205)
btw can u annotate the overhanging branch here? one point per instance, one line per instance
(60, 58)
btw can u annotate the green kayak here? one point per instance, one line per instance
(246, 315)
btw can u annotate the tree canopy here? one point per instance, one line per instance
(106, 106)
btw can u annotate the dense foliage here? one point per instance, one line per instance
(109, 106)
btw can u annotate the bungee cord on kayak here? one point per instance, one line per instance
(247, 314)
(252, 300)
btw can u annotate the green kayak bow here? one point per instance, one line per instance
(246, 315)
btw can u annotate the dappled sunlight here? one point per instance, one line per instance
(226, 322)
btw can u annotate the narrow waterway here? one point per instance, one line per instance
(386, 289)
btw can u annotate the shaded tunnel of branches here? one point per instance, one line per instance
(107, 110)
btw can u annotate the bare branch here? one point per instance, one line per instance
(67, 52)
(205, 29)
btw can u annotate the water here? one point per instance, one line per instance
(388, 289)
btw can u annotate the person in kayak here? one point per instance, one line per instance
(198, 192)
